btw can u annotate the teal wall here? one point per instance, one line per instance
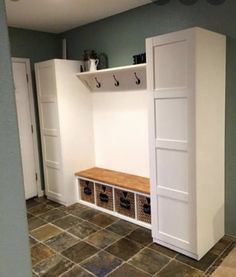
(37, 46)
(123, 35)
(14, 244)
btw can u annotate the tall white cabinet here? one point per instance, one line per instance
(186, 86)
(66, 127)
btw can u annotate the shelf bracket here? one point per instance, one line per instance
(138, 81)
(117, 83)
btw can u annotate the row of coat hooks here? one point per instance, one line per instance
(116, 82)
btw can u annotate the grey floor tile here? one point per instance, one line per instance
(40, 252)
(32, 241)
(122, 227)
(202, 264)
(53, 266)
(221, 245)
(141, 235)
(67, 222)
(40, 209)
(80, 252)
(163, 250)
(29, 216)
(61, 242)
(54, 204)
(87, 214)
(102, 238)
(45, 232)
(84, 229)
(176, 269)
(31, 203)
(124, 248)
(128, 271)
(53, 215)
(75, 207)
(149, 261)
(101, 264)
(35, 222)
(103, 220)
(77, 271)
(42, 199)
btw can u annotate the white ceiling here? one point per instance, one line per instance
(57, 16)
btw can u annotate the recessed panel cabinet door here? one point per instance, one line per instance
(50, 133)
(170, 84)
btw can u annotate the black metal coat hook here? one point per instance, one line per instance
(117, 83)
(98, 85)
(138, 81)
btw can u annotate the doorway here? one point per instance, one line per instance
(27, 127)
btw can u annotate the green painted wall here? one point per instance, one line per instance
(37, 46)
(14, 244)
(123, 35)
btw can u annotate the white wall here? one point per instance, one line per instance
(120, 121)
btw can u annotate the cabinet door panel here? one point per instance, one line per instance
(172, 168)
(170, 64)
(173, 220)
(171, 119)
(46, 77)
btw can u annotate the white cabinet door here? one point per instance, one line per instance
(170, 84)
(50, 133)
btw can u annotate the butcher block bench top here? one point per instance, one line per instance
(119, 179)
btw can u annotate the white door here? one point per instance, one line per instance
(25, 128)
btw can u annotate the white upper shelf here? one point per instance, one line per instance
(131, 77)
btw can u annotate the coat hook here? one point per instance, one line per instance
(138, 82)
(98, 85)
(117, 83)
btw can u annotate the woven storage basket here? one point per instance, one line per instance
(87, 191)
(124, 203)
(104, 196)
(144, 208)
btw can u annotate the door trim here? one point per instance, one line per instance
(26, 61)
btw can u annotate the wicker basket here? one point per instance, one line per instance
(104, 196)
(144, 208)
(124, 203)
(87, 191)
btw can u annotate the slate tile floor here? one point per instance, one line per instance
(78, 241)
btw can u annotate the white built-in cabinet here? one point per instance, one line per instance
(109, 128)
(65, 126)
(186, 86)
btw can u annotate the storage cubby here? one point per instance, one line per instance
(87, 191)
(104, 196)
(143, 208)
(125, 203)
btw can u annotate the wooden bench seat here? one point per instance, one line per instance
(115, 178)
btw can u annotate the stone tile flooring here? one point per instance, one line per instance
(78, 241)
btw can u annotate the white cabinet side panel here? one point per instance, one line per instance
(210, 133)
(76, 125)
